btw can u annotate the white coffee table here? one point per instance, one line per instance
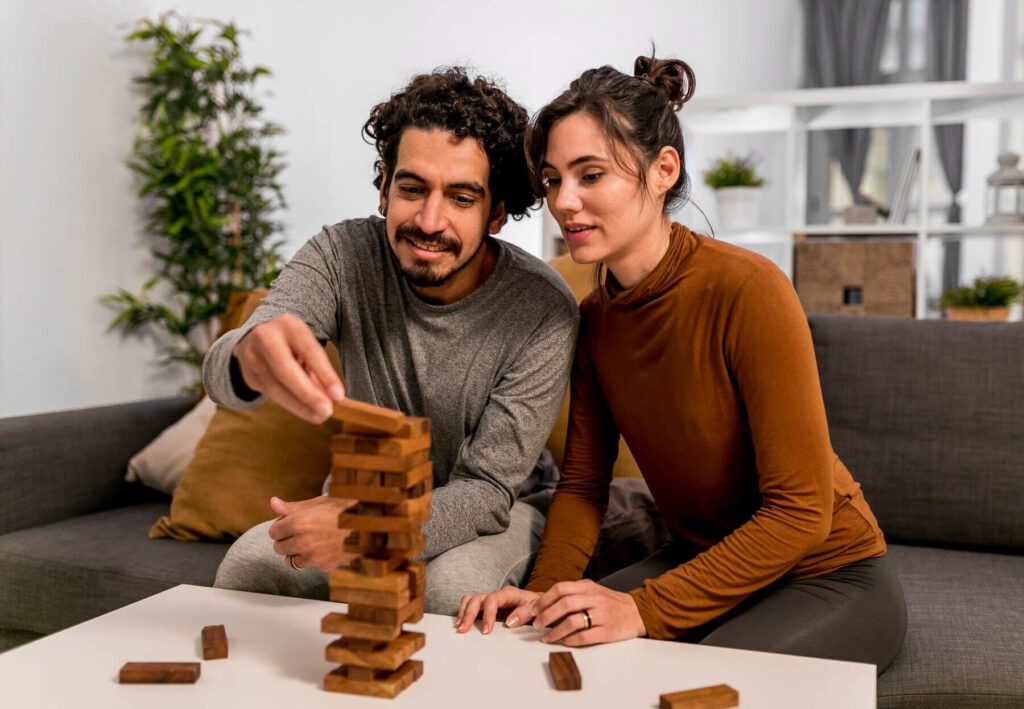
(277, 660)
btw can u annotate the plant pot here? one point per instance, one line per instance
(987, 314)
(739, 208)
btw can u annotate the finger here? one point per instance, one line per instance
(282, 529)
(284, 507)
(283, 397)
(560, 589)
(572, 623)
(301, 561)
(583, 638)
(284, 547)
(314, 358)
(287, 373)
(472, 611)
(489, 611)
(522, 615)
(462, 609)
(561, 608)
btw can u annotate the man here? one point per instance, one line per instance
(431, 316)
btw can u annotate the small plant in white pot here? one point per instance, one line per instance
(737, 189)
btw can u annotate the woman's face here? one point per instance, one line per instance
(603, 211)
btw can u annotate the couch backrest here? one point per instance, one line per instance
(928, 416)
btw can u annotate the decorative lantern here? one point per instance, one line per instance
(1006, 192)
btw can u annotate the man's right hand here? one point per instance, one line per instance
(283, 360)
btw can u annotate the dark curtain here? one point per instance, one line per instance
(947, 61)
(843, 47)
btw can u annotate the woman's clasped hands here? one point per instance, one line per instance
(576, 613)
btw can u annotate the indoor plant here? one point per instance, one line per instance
(988, 298)
(210, 182)
(737, 189)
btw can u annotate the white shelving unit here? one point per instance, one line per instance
(793, 114)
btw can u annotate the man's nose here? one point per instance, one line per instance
(432, 218)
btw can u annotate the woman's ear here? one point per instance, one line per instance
(664, 171)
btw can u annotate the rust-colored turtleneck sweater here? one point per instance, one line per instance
(707, 369)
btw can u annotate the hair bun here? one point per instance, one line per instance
(673, 77)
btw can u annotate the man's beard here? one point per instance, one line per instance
(422, 274)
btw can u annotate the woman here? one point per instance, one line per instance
(699, 353)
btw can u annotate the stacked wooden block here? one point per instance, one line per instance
(382, 461)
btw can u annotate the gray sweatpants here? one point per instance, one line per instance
(856, 613)
(485, 564)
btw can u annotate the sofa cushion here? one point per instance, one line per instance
(965, 634)
(926, 415)
(66, 572)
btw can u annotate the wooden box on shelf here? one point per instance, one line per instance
(861, 278)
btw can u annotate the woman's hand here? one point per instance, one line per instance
(490, 603)
(582, 613)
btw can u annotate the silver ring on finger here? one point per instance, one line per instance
(291, 562)
(588, 623)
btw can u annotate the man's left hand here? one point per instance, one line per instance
(307, 530)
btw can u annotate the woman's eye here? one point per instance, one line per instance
(548, 182)
(592, 177)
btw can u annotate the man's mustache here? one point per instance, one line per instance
(414, 234)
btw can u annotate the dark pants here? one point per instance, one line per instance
(856, 613)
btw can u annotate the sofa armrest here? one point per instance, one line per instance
(68, 463)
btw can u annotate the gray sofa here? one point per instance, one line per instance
(927, 415)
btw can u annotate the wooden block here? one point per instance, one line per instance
(719, 696)
(341, 624)
(367, 445)
(215, 642)
(412, 427)
(409, 478)
(564, 672)
(412, 507)
(386, 685)
(387, 616)
(382, 599)
(351, 578)
(352, 476)
(380, 463)
(368, 493)
(363, 674)
(399, 546)
(375, 418)
(159, 673)
(389, 656)
(381, 523)
(417, 571)
(377, 563)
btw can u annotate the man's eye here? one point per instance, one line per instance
(410, 190)
(464, 201)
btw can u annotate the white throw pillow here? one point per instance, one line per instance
(161, 464)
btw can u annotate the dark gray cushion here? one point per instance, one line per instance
(69, 463)
(965, 634)
(66, 572)
(633, 529)
(927, 416)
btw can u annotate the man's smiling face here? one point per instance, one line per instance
(438, 207)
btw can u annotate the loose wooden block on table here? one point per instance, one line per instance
(374, 418)
(388, 685)
(719, 696)
(564, 672)
(215, 642)
(159, 673)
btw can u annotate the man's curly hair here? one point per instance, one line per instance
(476, 108)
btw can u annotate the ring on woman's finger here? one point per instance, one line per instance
(587, 622)
(291, 562)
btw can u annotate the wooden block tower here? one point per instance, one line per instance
(381, 460)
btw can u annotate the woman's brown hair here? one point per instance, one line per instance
(637, 112)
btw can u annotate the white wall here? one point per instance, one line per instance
(70, 225)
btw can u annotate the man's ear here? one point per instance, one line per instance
(382, 206)
(498, 219)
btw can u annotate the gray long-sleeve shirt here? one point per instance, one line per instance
(489, 370)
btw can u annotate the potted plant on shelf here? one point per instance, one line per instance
(209, 181)
(986, 299)
(737, 189)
